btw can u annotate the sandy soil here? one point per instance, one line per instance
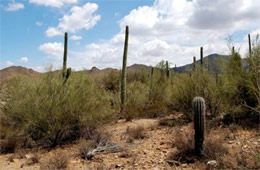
(149, 153)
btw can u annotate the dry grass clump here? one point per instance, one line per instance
(56, 161)
(84, 148)
(135, 132)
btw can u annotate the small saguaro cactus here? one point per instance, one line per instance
(167, 70)
(65, 72)
(199, 108)
(123, 75)
(201, 56)
(194, 62)
(233, 50)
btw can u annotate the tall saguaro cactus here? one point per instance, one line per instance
(198, 105)
(151, 84)
(249, 43)
(123, 75)
(167, 70)
(201, 56)
(64, 70)
(233, 50)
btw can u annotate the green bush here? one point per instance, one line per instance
(137, 97)
(196, 83)
(51, 112)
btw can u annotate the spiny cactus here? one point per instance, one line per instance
(167, 70)
(198, 105)
(194, 62)
(123, 75)
(201, 56)
(65, 72)
(233, 50)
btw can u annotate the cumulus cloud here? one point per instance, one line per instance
(78, 18)
(174, 31)
(14, 6)
(75, 37)
(53, 3)
(24, 60)
(53, 50)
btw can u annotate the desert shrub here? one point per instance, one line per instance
(55, 161)
(84, 148)
(111, 81)
(51, 112)
(135, 132)
(198, 83)
(140, 75)
(137, 97)
(159, 92)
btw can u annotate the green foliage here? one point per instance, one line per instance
(137, 97)
(50, 112)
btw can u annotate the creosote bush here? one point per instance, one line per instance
(52, 112)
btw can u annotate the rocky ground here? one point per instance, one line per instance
(152, 151)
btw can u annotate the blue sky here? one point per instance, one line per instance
(31, 31)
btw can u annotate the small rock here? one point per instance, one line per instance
(118, 166)
(255, 143)
(230, 142)
(184, 165)
(212, 164)
(28, 156)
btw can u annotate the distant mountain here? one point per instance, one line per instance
(8, 72)
(211, 58)
(94, 71)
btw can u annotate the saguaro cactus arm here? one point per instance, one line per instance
(198, 105)
(123, 75)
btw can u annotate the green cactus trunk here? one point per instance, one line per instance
(201, 56)
(64, 70)
(198, 105)
(249, 43)
(167, 70)
(151, 84)
(123, 75)
(194, 63)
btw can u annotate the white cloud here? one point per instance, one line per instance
(24, 60)
(53, 3)
(39, 24)
(77, 19)
(51, 32)
(53, 50)
(75, 37)
(174, 31)
(9, 63)
(14, 6)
